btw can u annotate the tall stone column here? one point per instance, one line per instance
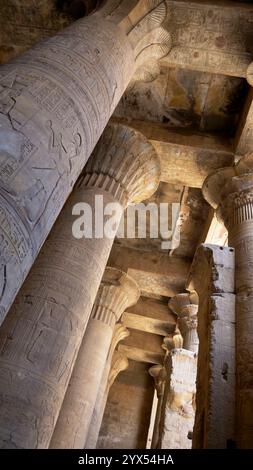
(179, 411)
(182, 372)
(212, 277)
(117, 292)
(114, 359)
(159, 375)
(55, 101)
(178, 408)
(230, 192)
(185, 306)
(119, 363)
(41, 336)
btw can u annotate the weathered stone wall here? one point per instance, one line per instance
(127, 414)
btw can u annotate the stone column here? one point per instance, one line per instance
(55, 101)
(120, 332)
(230, 192)
(159, 375)
(117, 292)
(185, 306)
(40, 338)
(212, 277)
(178, 408)
(182, 371)
(119, 363)
(249, 75)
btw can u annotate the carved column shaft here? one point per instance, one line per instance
(241, 238)
(55, 101)
(212, 277)
(159, 375)
(116, 293)
(120, 332)
(178, 390)
(181, 366)
(41, 336)
(119, 363)
(230, 191)
(178, 408)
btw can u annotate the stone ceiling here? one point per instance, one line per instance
(188, 99)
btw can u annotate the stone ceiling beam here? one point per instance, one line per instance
(147, 324)
(186, 158)
(156, 309)
(141, 355)
(210, 36)
(156, 274)
(143, 346)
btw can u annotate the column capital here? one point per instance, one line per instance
(120, 332)
(116, 293)
(125, 164)
(158, 373)
(145, 22)
(172, 342)
(119, 363)
(230, 192)
(185, 306)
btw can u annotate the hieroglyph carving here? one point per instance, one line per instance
(55, 101)
(41, 335)
(210, 37)
(117, 292)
